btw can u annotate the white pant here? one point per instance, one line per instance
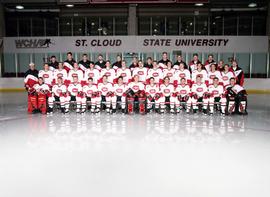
(194, 103)
(162, 101)
(222, 102)
(150, 104)
(114, 102)
(178, 103)
(62, 99)
(95, 102)
(77, 99)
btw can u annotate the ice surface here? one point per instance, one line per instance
(133, 156)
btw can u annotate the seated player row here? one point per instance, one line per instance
(158, 73)
(136, 96)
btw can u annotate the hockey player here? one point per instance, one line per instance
(149, 63)
(155, 72)
(59, 94)
(91, 94)
(53, 63)
(106, 91)
(236, 98)
(178, 62)
(226, 75)
(75, 72)
(136, 93)
(60, 72)
(42, 91)
(199, 93)
(141, 72)
(84, 64)
(169, 72)
(238, 72)
(118, 63)
(193, 63)
(100, 64)
(69, 62)
(46, 74)
(91, 72)
(209, 62)
(216, 92)
(182, 93)
(182, 73)
(119, 90)
(109, 72)
(167, 95)
(74, 94)
(30, 76)
(213, 73)
(153, 94)
(163, 62)
(202, 73)
(124, 72)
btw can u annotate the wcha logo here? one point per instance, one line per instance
(33, 43)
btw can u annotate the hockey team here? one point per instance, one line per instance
(154, 86)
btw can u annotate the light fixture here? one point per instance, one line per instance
(70, 5)
(198, 4)
(19, 7)
(252, 5)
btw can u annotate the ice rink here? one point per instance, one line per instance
(133, 156)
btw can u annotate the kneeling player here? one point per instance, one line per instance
(216, 92)
(182, 96)
(152, 94)
(136, 93)
(59, 94)
(91, 94)
(119, 95)
(199, 93)
(236, 98)
(106, 90)
(74, 94)
(167, 95)
(42, 92)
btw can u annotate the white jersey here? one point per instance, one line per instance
(110, 73)
(212, 75)
(95, 74)
(193, 65)
(89, 90)
(179, 74)
(167, 90)
(216, 91)
(199, 89)
(47, 76)
(125, 73)
(142, 72)
(226, 77)
(72, 73)
(136, 86)
(59, 90)
(152, 90)
(119, 90)
(183, 90)
(156, 73)
(41, 88)
(105, 88)
(74, 89)
(236, 88)
(203, 74)
(60, 73)
(169, 73)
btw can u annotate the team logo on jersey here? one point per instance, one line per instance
(135, 87)
(59, 75)
(199, 75)
(169, 74)
(75, 90)
(119, 90)
(225, 78)
(212, 76)
(45, 76)
(166, 91)
(152, 91)
(182, 75)
(91, 75)
(108, 74)
(59, 91)
(74, 75)
(104, 89)
(123, 74)
(199, 89)
(183, 91)
(155, 74)
(140, 73)
(215, 92)
(89, 91)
